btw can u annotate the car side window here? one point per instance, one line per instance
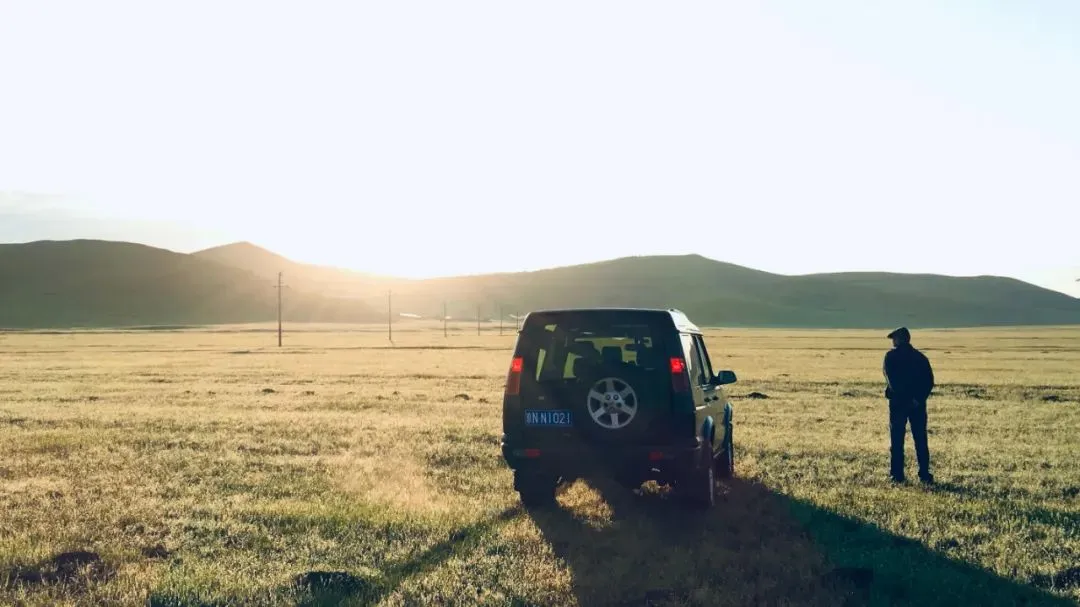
(693, 357)
(706, 364)
(541, 355)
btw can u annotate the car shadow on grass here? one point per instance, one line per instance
(317, 588)
(757, 547)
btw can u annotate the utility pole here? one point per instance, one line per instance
(478, 319)
(279, 288)
(444, 319)
(389, 316)
(500, 320)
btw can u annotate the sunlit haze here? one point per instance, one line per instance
(424, 139)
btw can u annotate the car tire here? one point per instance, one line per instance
(537, 491)
(699, 483)
(537, 497)
(725, 464)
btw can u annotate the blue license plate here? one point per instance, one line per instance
(548, 418)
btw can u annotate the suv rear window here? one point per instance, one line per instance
(552, 346)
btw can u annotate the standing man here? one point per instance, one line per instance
(909, 380)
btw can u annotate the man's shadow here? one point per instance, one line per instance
(756, 547)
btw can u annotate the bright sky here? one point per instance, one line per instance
(460, 137)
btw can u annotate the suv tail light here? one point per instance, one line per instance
(680, 381)
(513, 379)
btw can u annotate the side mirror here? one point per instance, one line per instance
(724, 378)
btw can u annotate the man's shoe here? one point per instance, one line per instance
(899, 480)
(927, 479)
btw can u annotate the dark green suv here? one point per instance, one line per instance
(629, 394)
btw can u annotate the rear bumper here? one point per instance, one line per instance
(585, 459)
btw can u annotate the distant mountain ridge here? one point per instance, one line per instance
(301, 276)
(93, 283)
(102, 283)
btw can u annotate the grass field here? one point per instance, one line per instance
(213, 468)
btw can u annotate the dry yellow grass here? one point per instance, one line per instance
(210, 467)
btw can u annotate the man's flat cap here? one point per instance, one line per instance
(902, 332)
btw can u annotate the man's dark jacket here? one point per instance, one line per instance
(908, 374)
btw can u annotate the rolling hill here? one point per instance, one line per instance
(302, 277)
(723, 294)
(89, 283)
(712, 292)
(97, 283)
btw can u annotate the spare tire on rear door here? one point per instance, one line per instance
(618, 402)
